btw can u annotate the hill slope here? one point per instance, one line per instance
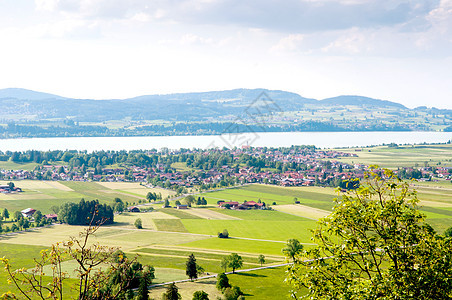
(183, 106)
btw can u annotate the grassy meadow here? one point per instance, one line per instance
(402, 156)
(170, 235)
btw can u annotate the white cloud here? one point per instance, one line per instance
(318, 48)
(195, 39)
(141, 17)
(46, 5)
(352, 42)
(291, 42)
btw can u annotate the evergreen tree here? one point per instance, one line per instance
(172, 293)
(191, 267)
(5, 213)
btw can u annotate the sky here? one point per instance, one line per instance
(393, 50)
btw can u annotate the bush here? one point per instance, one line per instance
(138, 223)
(222, 282)
(224, 234)
(200, 295)
(232, 293)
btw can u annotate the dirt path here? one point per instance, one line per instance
(227, 273)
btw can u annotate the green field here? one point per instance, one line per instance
(402, 156)
(170, 235)
(317, 197)
(42, 195)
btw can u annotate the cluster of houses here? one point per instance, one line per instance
(319, 167)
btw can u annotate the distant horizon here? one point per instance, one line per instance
(208, 91)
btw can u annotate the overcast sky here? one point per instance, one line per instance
(393, 50)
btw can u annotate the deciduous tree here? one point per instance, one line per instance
(222, 282)
(200, 295)
(235, 262)
(376, 245)
(138, 223)
(117, 277)
(189, 200)
(261, 259)
(224, 264)
(293, 248)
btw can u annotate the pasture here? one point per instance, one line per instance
(42, 195)
(401, 156)
(170, 235)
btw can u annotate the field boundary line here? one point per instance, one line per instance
(215, 275)
(207, 251)
(200, 234)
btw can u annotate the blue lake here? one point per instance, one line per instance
(269, 139)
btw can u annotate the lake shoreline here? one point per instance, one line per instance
(319, 139)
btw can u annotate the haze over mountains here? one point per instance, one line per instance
(182, 106)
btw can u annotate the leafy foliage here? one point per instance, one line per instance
(82, 212)
(116, 280)
(224, 234)
(293, 248)
(138, 223)
(261, 259)
(222, 282)
(375, 245)
(235, 261)
(200, 295)
(232, 293)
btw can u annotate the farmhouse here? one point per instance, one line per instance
(7, 189)
(182, 206)
(134, 209)
(53, 217)
(251, 205)
(28, 212)
(231, 204)
(244, 205)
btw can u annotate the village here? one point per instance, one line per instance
(285, 167)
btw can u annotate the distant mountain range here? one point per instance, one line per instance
(174, 107)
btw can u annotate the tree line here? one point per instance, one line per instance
(13, 130)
